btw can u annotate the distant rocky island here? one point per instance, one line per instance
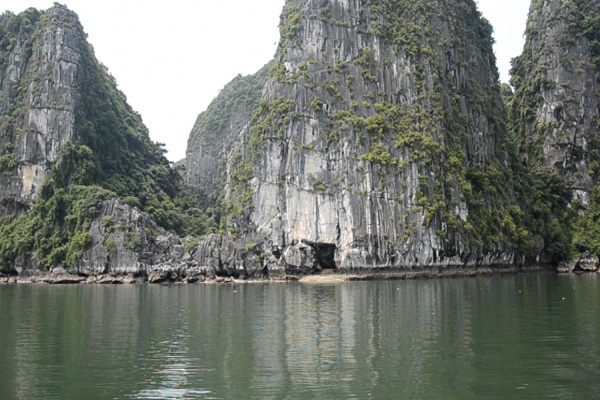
(378, 143)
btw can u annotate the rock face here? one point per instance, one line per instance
(127, 242)
(39, 77)
(70, 148)
(376, 143)
(556, 98)
(218, 128)
(359, 150)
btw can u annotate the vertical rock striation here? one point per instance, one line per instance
(39, 78)
(370, 136)
(556, 98)
(70, 149)
(376, 140)
(215, 132)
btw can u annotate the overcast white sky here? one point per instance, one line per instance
(172, 58)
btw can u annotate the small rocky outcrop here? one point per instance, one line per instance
(585, 263)
(127, 246)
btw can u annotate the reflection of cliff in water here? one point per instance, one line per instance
(501, 337)
(334, 339)
(174, 367)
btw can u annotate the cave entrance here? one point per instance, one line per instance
(325, 254)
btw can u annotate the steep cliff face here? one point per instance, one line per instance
(217, 128)
(373, 139)
(556, 98)
(68, 142)
(55, 92)
(38, 97)
(376, 139)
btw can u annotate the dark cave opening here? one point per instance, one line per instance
(325, 254)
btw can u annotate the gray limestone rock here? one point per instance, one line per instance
(127, 242)
(323, 162)
(350, 154)
(38, 100)
(557, 78)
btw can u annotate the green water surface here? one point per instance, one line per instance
(517, 337)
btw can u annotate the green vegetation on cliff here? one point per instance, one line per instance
(14, 27)
(57, 227)
(548, 186)
(240, 96)
(479, 182)
(430, 129)
(111, 156)
(511, 206)
(529, 74)
(217, 128)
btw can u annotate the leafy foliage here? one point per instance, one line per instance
(238, 98)
(511, 205)
(12, 28)
(112, 156)
(586, 236)
(236, 102)
(552, 211)
(57, 226)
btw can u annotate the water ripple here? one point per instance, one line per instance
(508, 337)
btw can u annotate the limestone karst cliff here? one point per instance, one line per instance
(555, 118)
(39, 96)
(54, 92)
(377, 140)
(70, 145)
(556, 98)
(215, 132)
(372, 139)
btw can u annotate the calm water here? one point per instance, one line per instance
(525, 337)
